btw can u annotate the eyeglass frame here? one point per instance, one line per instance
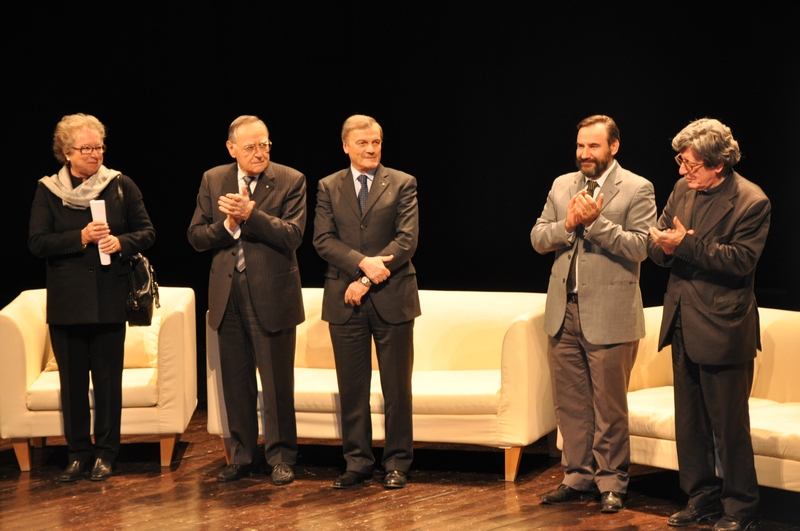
(250, 149)
(88, 150)
(690, 166)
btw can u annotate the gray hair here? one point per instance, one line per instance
(711, 140)
(611, 126)
(242, 120)
(64, 136)
(359, 121)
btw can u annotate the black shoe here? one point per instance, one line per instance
(692, 515)
(395, 479)
(73, 472)
(235, 472)
(612, 502)
(565, 493)
(350, 479)
(101, 470)
(282, 474)
(729, 522)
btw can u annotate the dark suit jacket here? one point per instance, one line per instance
(79, 289)
(389, 226)
(609, 256)
(711, 280)
(270, 239)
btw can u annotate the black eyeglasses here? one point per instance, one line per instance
(86, 150)
(689, 165)
(251, 148)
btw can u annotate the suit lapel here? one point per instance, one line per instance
(611, 186)
(264, 186)
(719, 207)
(349, 191)
(688, 209)
(379, 184)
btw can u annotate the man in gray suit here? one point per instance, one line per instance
(711, 235)
(366, 227)
(252, 214)
(596, 221)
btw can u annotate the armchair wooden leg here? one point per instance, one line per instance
(168, 443)
(513, 458)
(225, 449)
(38, 442)
(22, 449)
(552, 444)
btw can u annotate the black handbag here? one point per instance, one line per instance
(143, 293)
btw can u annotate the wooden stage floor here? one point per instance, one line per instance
(451, 487)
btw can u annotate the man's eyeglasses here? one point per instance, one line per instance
(87, 150)
(689, 165)
(251, 148)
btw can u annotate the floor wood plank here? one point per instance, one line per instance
(451, 487)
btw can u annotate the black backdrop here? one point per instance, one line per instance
(479, 103)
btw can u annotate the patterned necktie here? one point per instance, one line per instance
(573, 265)
(239, 247)
(363, 193)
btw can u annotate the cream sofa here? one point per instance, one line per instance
(480, 374)
(159, 380)
(774, 401)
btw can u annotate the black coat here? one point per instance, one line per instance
(79, 289)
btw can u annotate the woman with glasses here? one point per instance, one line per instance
(87, 285)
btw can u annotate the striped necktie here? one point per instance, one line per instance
(363, 193)
(239, 247)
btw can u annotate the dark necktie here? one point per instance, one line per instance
(573, 265)
(363, 193)
(239, 248)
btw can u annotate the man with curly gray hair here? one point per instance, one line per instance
(711, 234)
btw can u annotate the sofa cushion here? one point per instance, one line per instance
(141, 347)
(139, 389)
(435, 392)
(651, 412)
(775, 430)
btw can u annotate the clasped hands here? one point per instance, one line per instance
(237, 207)
(99, 232)
(375, 270)
(668, 239)
(582, 210)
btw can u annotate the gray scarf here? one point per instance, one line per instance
(78, 198)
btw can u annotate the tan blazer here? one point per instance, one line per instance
(609, 256)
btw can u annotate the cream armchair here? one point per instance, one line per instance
(159, 381)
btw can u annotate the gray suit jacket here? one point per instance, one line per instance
(713, 270)
(270, 239)
(609, 256)
(389, 226)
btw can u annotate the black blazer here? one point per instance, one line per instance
(79, 289)
(388, 226)
(270, 238)
(713, 271)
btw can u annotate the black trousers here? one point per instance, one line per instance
(245, 345)
(352, 351)
(711, 411)
(79, 350)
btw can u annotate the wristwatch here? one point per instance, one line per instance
(366, 281)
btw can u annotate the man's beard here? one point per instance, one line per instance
(600, 165)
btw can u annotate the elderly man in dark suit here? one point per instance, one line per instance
(252, 214)
(596, 222)
(366, 227)
(711, 234)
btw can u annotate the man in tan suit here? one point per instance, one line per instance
(596, 221)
